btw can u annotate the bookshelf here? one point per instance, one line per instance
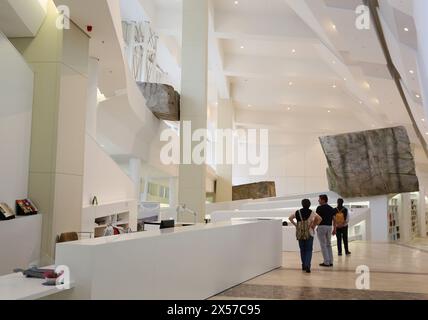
(393, 219)
(414, 217)
(120, 214)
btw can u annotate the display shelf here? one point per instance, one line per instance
(414, 218)
(393, 220)
(118, 214)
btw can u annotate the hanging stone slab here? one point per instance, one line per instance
(370, 163)
(162, 100)
(259, 190)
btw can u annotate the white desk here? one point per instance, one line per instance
(17, 287)
(194, 262)
(20, 242)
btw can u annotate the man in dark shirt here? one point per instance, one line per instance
(341, 222)
(325, 230)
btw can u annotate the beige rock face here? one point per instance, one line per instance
(370, 163)
(162, 100)
(259, 190)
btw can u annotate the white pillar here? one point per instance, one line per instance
(135, 173)
(421, 23)
(192, 184)
(378, 224)
(405, 218)
(146, 189)
(225, 121)
(173, 194)
(92, 104)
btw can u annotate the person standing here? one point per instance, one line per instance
(325, 230)
(307, 220)
(341, 221)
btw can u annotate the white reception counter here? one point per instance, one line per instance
(193, 262)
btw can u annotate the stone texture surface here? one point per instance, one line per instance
(370, 163)
(162, 100)
(259, 190)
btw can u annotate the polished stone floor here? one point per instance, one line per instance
(397, 271)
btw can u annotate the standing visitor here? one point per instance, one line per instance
(341, 222)
(307, 220)
(325, 230)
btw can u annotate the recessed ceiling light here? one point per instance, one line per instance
(249, 106)
(406, 29)
(334, 86)
(426, 133)
(289, 108)
(236, 2)
(366, 85)
(293, 51)
(418, 96)
(333, 26)
(290, 83)
(423, 120)
(360, 102)
(329, 111)
(102, 146)
(376, 101)
(242, 47)
(411, 71)
(344, 79)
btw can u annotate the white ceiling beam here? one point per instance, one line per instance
(259, 27)
(276, 67)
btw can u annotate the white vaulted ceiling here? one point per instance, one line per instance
(291, 64)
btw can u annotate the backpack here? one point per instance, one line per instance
(340, 217)
(303, 229)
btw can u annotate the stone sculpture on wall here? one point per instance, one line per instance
(162, 100)
(370, 163)
(259, 190)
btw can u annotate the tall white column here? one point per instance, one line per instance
(91, 111)
(135, 173)
(192, 184)
(225, 121)
(173, 194)
(405, 218)
(421, 23)
(378, 226)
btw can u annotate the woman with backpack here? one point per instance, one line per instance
(341, 221)
(305, 220)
